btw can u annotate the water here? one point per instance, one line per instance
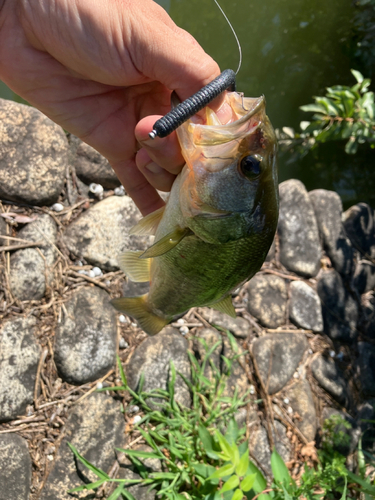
(292, 50)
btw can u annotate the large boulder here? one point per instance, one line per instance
(33, 155)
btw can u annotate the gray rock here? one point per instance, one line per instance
(268, 299)
(300, 249)
(339, 308)
(271, 252)
(364, 276)
(365, 422)
(260, 447)
(328, 211)
(358, 222)
(209, 337)
(19, 356)
(237, 380)
(101, 233)
(277, 356)
(367, 322)
(95, 427)
(85, 340)
(127, 471)
(33, 156)
(30, 273)
(91, 166)
(302, 402)
(3, 229)
(366, 366)
(331, 378)
(15, 468)
(153, 358)
(305, 309)
(238, 326)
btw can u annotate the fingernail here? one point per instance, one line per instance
(154, 168)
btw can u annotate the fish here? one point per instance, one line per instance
(218, 223)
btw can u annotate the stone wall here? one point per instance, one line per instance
(307, 318)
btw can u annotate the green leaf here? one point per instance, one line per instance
(314, 108)
(260, 483)
(226, 470)
(121, 371)
(88, 464)
(237, 495)
(232, 431)
(224, 445)
(232, 483)
(141, 454)
(357, 75)
(243, 464)
(90, 486)
(279, 469)
(343, 496)
(366, 486)
(248, 482)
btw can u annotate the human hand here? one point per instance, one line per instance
(104, 71)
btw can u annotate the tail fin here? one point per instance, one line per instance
(138, 308)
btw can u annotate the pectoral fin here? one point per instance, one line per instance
(225, 306)
(138, 308)
(149, 224)
(166, 243)
(136, 269)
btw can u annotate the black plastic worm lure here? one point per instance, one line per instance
(186, 109)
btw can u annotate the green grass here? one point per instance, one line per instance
(205, 456)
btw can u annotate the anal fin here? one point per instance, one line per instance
(149, 223)
(136, 269)
(225, 306)
(138, 308)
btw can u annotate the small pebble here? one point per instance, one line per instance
(290, 410)
(310, 351)
(286, 401)
(252, 389)
(137, 419)
(123, 344)
(119, 191)
(181, 321)
(50, 457)
(184, 330)
(57, 207)
(332, 354)
(296, 375)
(134, 325)
(97, 190)
(99, 385)
(133, 409)
(82, 271)
(91, 274)
(122, 319)
(97, 271)
(79, 263)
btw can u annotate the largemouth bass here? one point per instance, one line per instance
(218, 223)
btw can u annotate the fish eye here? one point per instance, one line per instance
(251, 166)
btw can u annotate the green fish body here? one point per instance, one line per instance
(219, 221)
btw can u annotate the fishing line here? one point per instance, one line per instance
(188, 108)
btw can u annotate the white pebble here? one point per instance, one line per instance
(97, 190)
(286, 401)
(50, 457)
(332, 354)
(133, 409)
(181, 321)
(134, 325)
(123, 344)
(296, 375)
(310, 351)
(184, 330)
(57, 207)
(82, 271)
(97, 271)
(252, 389)
(290, 410)
(137, 419)
(122, 319)
(91, 274)
(120, 191)
(99, 385)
